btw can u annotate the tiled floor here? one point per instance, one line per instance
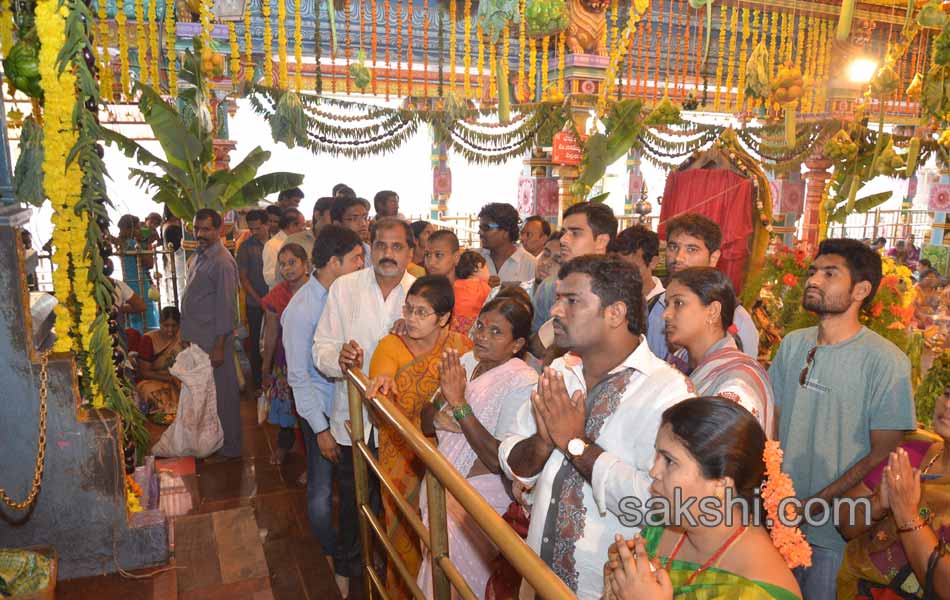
(211, 559)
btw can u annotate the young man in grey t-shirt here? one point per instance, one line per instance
(844, 397)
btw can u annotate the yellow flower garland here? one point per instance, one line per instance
(298, 47)
(561, 56)
(522, 48)
(614, 25)
(491, 64)
(170, 53)
(480, 60)
(453, 23)
(207, 25)
(268, 44)
(141, 42)
(467, 61)
(235, 51)
(532, 68)
(743, 58)
(730, 71)
(773, 42)
(720, 60)
(105, 58)
(282, 44)
(121, 25)
(64, 184)
(545, 46)
(610, 78)
(6, 28)
(505, 49)
(156, 59)
(248, 47)
(824, 49)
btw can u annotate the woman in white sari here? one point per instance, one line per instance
(481, 393)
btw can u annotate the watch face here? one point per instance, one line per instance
(576, 447)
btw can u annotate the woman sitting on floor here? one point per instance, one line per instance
(157, 352)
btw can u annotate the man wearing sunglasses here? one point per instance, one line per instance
(498, 233)
(844, 397)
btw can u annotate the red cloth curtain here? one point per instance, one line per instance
(724, 197)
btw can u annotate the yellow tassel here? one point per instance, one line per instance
(154, 55)
(268, 44)
(282, 43)
(235, 64)
(105, 68)
(545, 43)
(298, 47)
(562, 55)
(532, 69)
(467, 62)
(453, 23)
(480, 60)
(491, 61)
(522, 49)
(121, 22)
(170, 53)
(248, 47)
(141, 43)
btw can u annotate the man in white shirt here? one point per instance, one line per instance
(498, 232)
(585, 470)
(693, 240)
(291, 221)
(360, 310)
(353, 213)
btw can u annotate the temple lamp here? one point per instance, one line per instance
(861, 70)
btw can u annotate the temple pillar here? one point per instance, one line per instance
(816, 178)
(441, 181)
(537, 189)
(788, 198)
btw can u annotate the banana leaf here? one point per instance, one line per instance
(289, 122)
(860, 206)
(27, 174)
(180, 145)
(263, 186)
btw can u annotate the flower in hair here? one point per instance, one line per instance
(789, 541)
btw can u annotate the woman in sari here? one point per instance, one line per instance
(481, 393)
(408, 365)
(704, 447)
(157, 352)
(700, 304)
(909, 522)
(294, 268)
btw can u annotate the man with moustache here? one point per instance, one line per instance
(360, 310)
(585, 444)
(208, 313)
(844, 397)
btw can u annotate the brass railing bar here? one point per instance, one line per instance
(360, 477)
(407, 511)
(522, 558)
(377, 583)
(456, 578)
(438, 536)
(392, 553)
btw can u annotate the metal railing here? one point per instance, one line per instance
(893, 225)
(440, 477)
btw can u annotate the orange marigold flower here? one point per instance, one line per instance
(789, 541)
(876, 309)
(790, 280)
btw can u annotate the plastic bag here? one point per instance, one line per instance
(545, 17)
(196, 430)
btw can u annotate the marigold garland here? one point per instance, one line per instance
(249, 48)
(154, 56)
(645, 58)
(409, 49)
(505, 47)
(347, 18)
(6, 28)
(658, 43)
(235, 62)
(105, 68)
(141, 43)
(453, 28)
(387, 45)
(734, 32)
(614, 25)
(561, 58)
(396, 14)
(374, 10)
(170, 53)
(720, 60)
(545, 46)
(777, 486)
(743, 59)
(773, 42)
(491, 63)
(681, 62)
(480, 59)
(522, 48)
(269, 43)
(298, 45)
(532, 69)
(467, 59)
(821, 73)
(121, 21)
(282, 44)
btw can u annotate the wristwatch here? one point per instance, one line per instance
(576, 447)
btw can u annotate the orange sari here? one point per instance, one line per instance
(415, 380)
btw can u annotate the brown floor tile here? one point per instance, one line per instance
(238, 479)
(196, 552)
(285, 579)
(226, 504)
(276, 515)
(240, 554)
(247, 588)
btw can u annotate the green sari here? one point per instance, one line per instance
(713, 583)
